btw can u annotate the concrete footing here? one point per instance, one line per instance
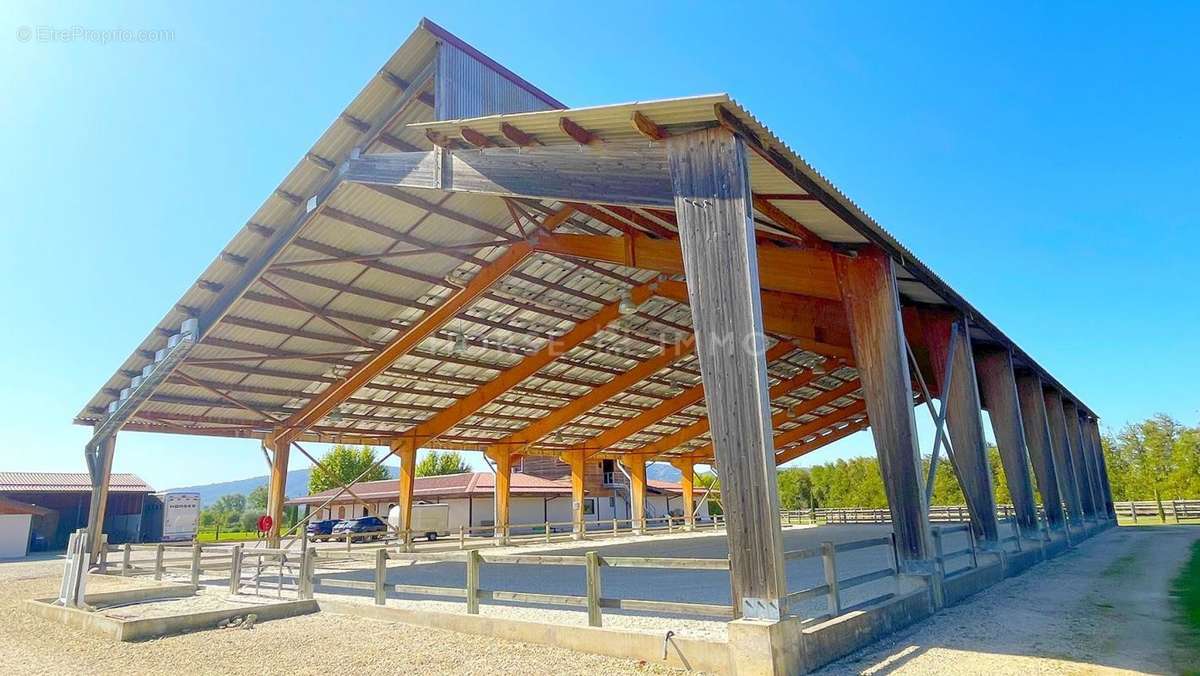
(117, 629)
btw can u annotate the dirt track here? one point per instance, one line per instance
(324, 643)
(1102, 608)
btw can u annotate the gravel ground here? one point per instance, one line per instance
(1102, 608)
(320, 643)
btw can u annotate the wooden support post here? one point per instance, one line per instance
(960, 395)
(687, 484)
(636, 466)
(276, 487)
(158, 561)
(235, 569)
(1063, 462)
(1040, 442)
(406, 451)
(473, 563)
(1079, 457)
(1099, 501)
(126, 550)
(308, 568)
(710, 177)
(576, 461)
(998, 387)
(196, 564)
(1093, 427)
(829, 561)
(100, 465)
(868, 285)
(381, 557)
(593, 589)
(503, 461)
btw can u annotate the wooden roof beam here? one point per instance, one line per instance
(805, 272)
(517, 136)
(670, 407)
(577, 133)
(700, 427)
(804, 448)
(526, 368)
(602, 393)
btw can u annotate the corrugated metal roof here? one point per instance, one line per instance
(68, 482)
(367, 262)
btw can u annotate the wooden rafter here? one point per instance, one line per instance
(701, 427)
(529, 366)
(804, 272)
(601, 393)
(821, 441)
(670, 407)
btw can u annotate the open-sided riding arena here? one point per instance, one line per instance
(463, 262)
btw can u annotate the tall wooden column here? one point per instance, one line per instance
(406, 451)
(1040, 441)
(1079, 459)
(636, 466)
(998, 387)
(710, 175)
(101, 470)
(276, 487)
(1093, 464)
(1064, 464)
(687, 484)
(503, 461)
(1094, 429)
(576, 461)
(964, 419)
(868, 284)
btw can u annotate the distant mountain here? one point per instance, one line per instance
(297, 485)
(663, 471)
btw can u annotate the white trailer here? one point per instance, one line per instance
(430, 520)
(181, 516)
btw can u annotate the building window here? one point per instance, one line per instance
(342, 512)
(589, 507)
(609, 469)
(365, 512)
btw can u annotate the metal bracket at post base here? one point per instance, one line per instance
(761, 609)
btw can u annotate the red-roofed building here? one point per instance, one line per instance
(535, 498)
(68, 494)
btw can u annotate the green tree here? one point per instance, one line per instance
(795, 488)
(257, 500)
(1158, 458)
(439, 463)
(345, 464)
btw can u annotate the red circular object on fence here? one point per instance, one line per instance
(264, 523)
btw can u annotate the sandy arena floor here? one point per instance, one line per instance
(1101, 608)
(311, 644)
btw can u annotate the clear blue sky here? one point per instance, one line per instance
(1043, 159)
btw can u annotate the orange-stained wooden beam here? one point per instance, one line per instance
(667, 408)
(807, 272)
(463, 408)
(600, 394)
(699, 427)
(824, 440)
(489, 274)
(814, 324)
(803, 408)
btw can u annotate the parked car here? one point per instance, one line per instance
(321, 530)
(366, 528)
